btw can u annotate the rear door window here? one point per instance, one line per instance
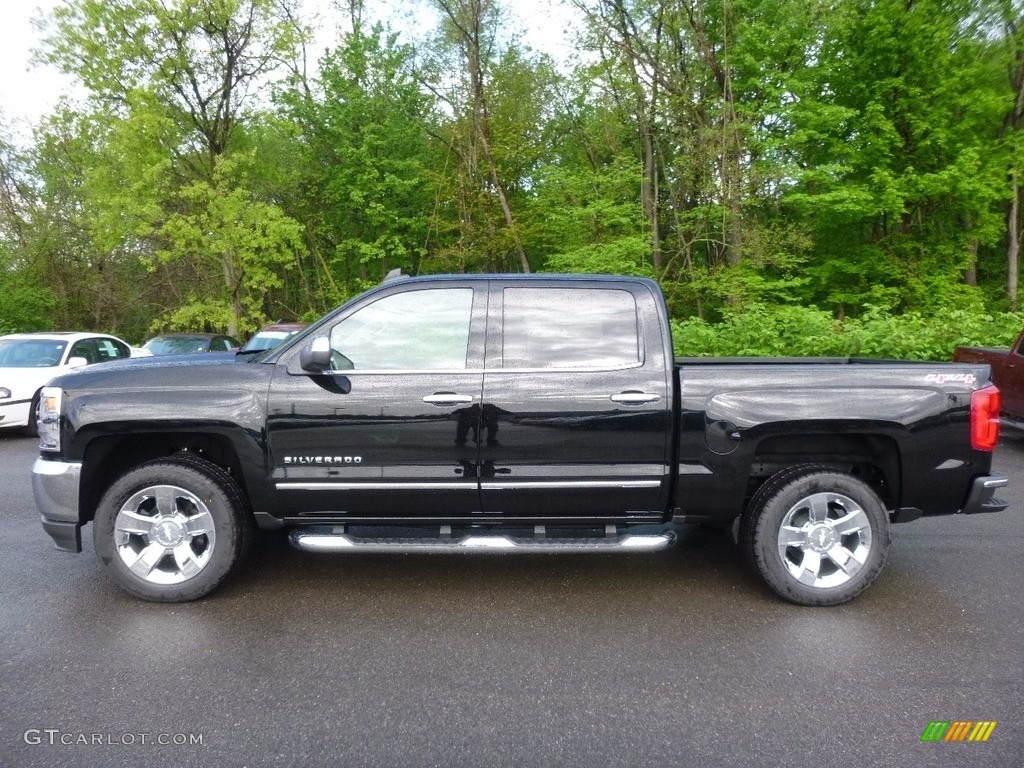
(570, 328)
(108, 349)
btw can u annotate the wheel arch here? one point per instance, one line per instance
(871, 457)
(109, 457)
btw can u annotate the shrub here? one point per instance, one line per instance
(782, 331)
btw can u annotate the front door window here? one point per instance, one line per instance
(415, 331)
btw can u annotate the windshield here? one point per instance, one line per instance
(267, 340)
(31, 353)
(176, 345)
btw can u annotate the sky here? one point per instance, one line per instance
(28, 91)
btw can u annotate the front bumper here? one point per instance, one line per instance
(55, 487)
(982, 496)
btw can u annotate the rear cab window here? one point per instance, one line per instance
(570, 328)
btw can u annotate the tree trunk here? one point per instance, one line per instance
(1013, 243)
(971, 273)
(649, 195)
(467, 17)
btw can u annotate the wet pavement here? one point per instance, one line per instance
(680, 658)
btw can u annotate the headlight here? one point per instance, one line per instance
(48, 421)
(4, 392)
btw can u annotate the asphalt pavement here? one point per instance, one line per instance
(680, 658)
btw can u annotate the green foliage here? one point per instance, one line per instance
(762, 331)
(802, 176)
(898, 171)
(625, 256)
(249, 241)
(588, 219)
(363, 158)
(199, 315)
(782, 331)
(25, 304)
(913, 336)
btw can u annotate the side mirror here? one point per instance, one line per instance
(76, 362)
(315, 357)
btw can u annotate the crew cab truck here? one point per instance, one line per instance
(507, 413)
(1007, 366)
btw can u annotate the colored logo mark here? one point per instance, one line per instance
(958, 730)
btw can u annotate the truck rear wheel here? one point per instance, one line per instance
(817, 536)
(172, 530)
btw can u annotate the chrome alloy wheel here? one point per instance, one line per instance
(824, 540)
(164, 534)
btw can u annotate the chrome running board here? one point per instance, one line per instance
(335, 539)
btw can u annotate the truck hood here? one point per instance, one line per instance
(172, 372)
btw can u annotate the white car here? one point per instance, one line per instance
(29, 360)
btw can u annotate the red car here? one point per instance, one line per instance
(1007, 373)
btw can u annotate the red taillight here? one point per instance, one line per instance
(985, 405)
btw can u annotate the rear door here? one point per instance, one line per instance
(577, 400)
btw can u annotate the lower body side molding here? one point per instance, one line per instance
(335, 539)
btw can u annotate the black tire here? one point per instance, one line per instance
(816, 536)
(183, 523)
(32, 430)
(767, 489)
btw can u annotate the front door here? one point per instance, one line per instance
(390, 430)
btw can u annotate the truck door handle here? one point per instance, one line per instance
(447, 398)
(635, 398)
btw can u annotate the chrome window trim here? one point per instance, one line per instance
(588, 369)
(452, 371)
(401, 371)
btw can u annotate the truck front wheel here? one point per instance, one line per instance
(172, 530)
(817, 537)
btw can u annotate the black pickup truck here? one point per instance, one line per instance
(507, 413)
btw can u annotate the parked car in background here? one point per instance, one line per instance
(1007, 365)
(190, 343)
(269, 336)
(30, 360)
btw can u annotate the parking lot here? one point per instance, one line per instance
(680, 658)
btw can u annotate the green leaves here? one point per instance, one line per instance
(759, 157)
(364, 160)
(790, 331)
(220, 229)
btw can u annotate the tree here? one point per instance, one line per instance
(180, 75)
(890, 141)
(363, 154)
(1010, 18)
(470, 27)
(25, 301)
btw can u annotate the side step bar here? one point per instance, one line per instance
(335, 539)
